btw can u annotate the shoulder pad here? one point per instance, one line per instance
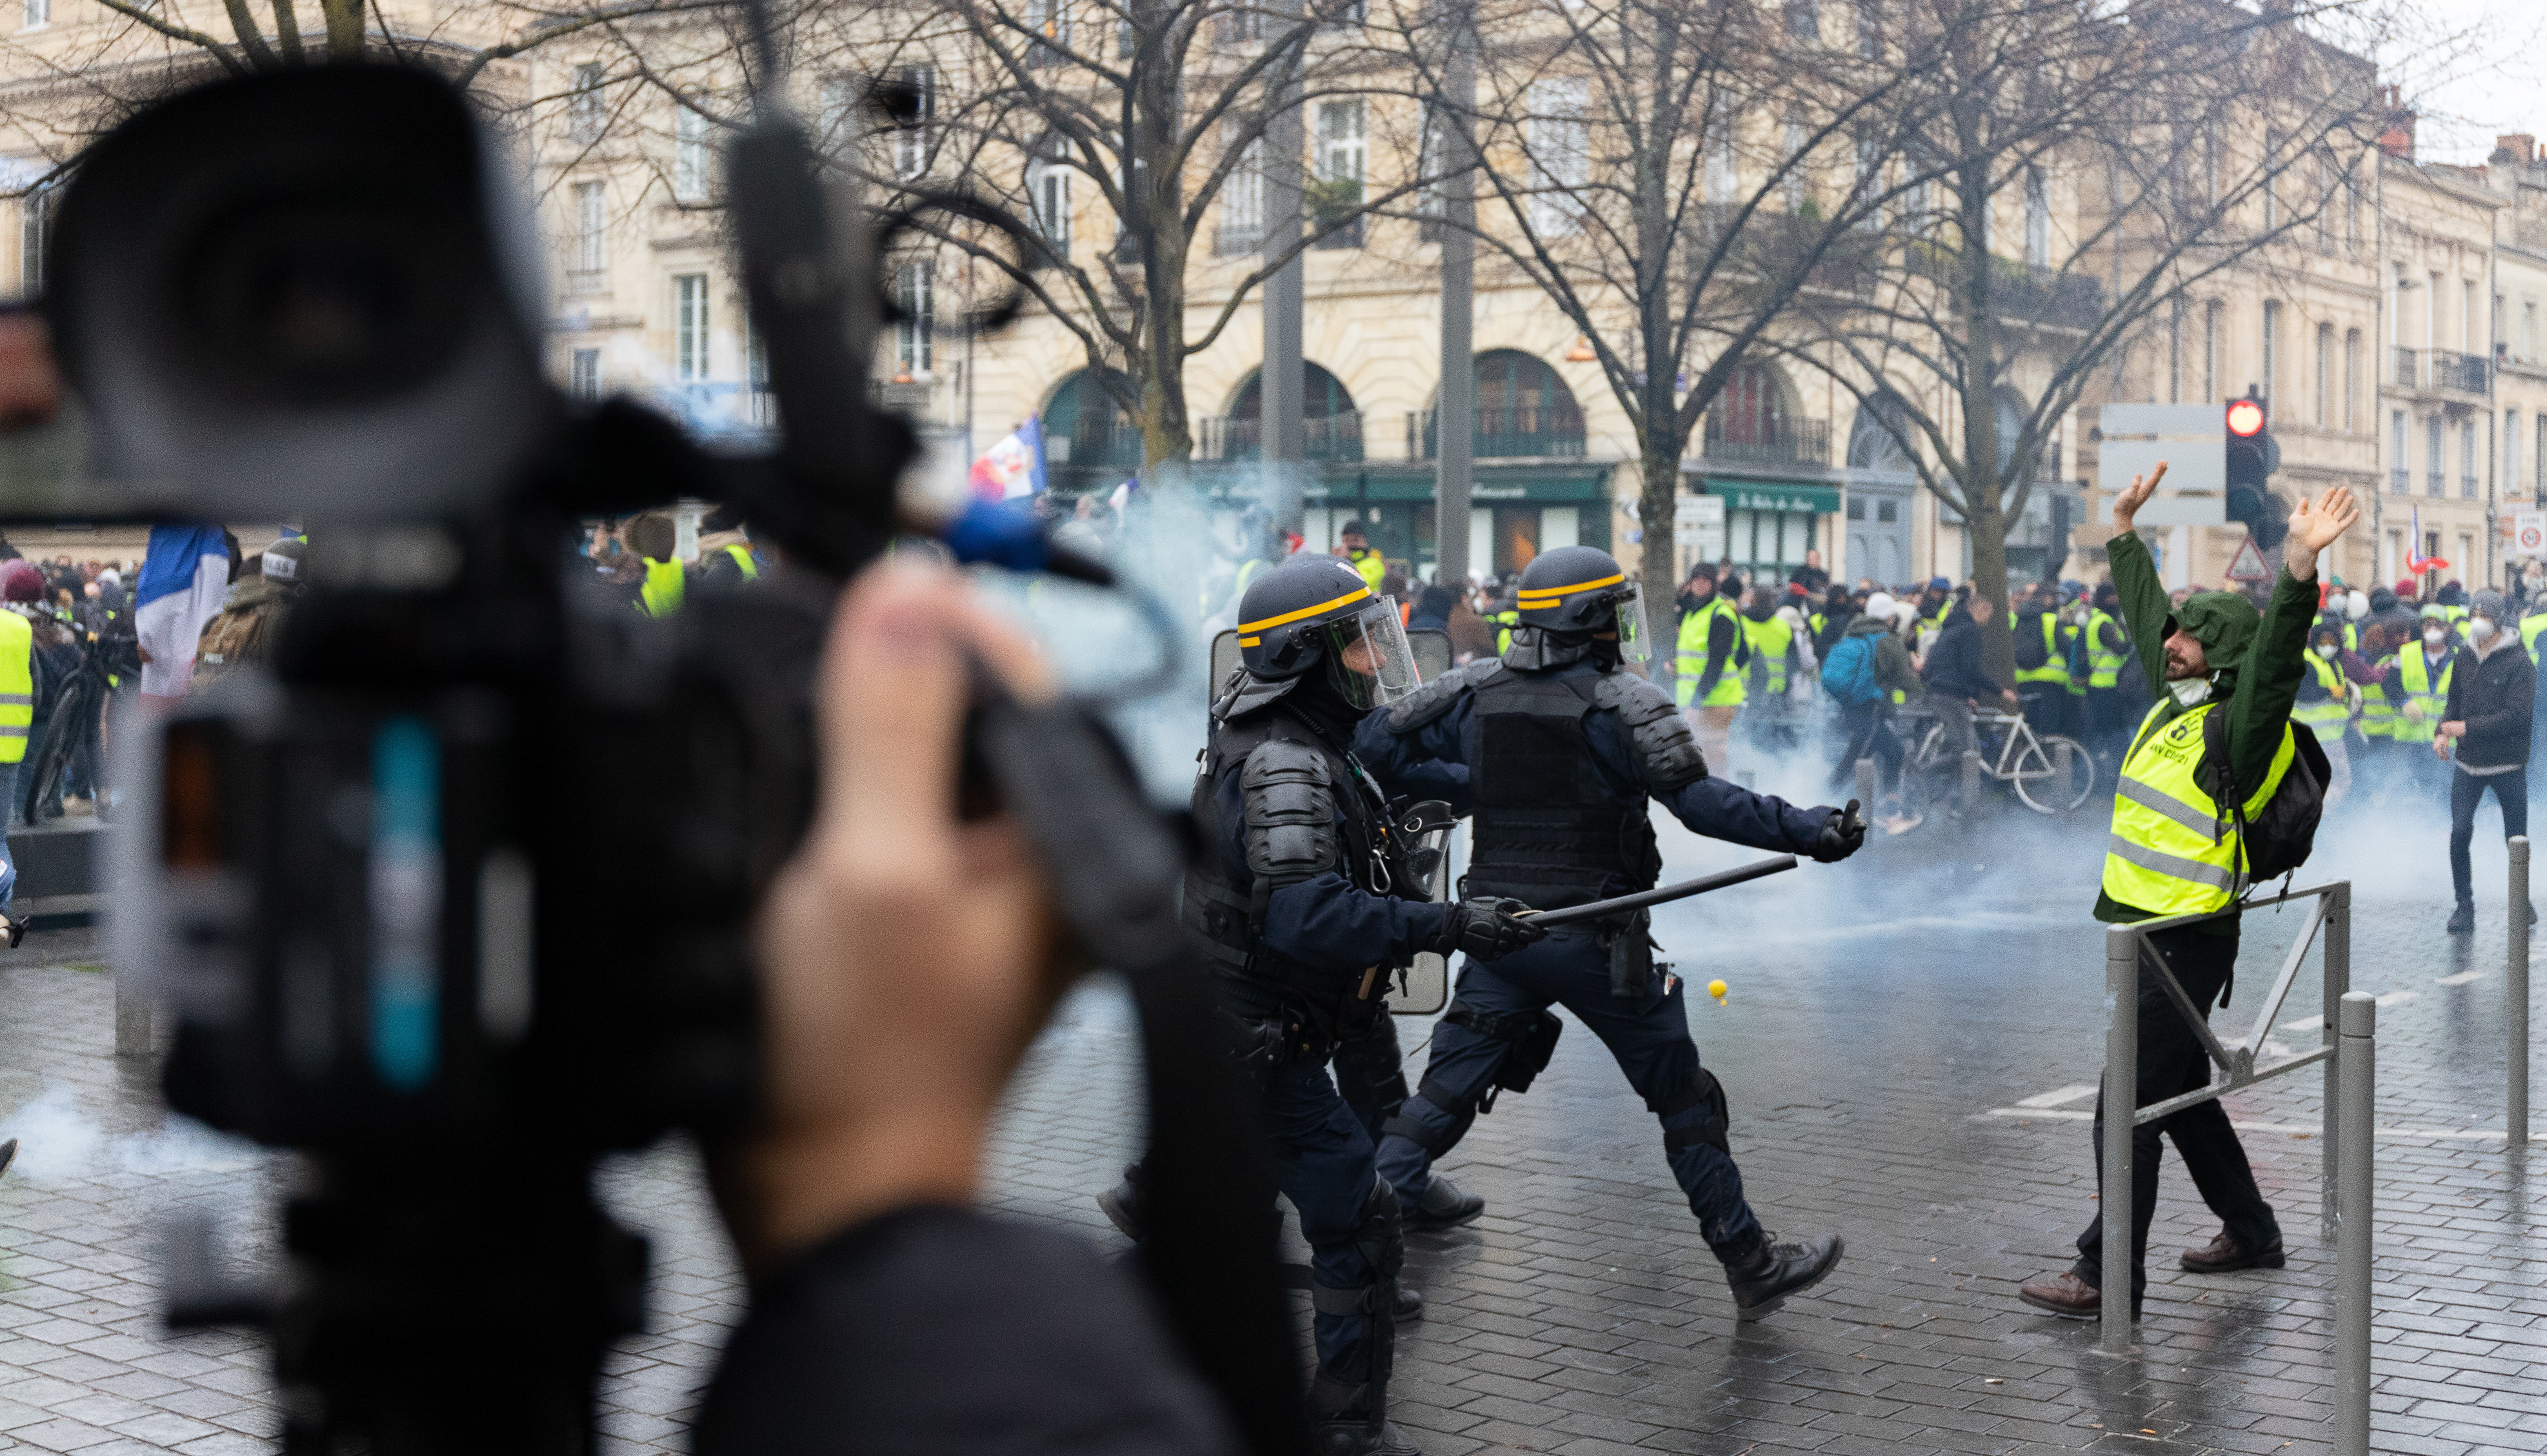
(1291, 813)
(1667, 753)
(1436, 697)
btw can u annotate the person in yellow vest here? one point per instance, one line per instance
(2326, 703)
(2422, 683)
(17, 721)
(1708, 669)
(1773, 645)
(2533, 627)
(2112, 710)
(2381, 696)
(661, 584)
(1352, 542)
(729, 558)
(2043, 643)
(2483, 736)
(2176, 850)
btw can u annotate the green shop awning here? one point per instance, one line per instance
(1773, 495)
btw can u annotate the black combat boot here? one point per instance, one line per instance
(1122, 1203)
(1340, 1423)
(1762, 1282)
(1442, 1206)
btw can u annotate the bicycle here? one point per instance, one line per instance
(77, 718)
(2012, 753)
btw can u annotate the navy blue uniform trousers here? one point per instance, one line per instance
(1323, 1164)
(1648, 1035)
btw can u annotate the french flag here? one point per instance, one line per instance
(184, 575)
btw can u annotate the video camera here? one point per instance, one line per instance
(454, 900)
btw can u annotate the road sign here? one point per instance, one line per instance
(2249, 563)
(2190, 438)
(2529, 533)
(1697, 529)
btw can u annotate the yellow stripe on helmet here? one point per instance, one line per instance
(1348, 599)
(1249, 642)
(1549, 594)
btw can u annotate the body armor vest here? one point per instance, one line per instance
(1229, 916)
(1549, 832)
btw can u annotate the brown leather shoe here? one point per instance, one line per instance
(2064, 1294)
(2223, 1255)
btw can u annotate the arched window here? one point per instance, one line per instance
(1523, 408)
(1874, 441)
(1750, 411)
(1331, 428)
(1084, 424)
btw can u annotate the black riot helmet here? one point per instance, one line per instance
(1316, 613)
(1581, 590)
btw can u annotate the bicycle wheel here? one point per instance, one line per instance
(40, 775)
(2037, 764)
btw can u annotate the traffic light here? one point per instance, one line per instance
(2251, 460)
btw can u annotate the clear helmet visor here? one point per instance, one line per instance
(1633, 645)
(1368, 655)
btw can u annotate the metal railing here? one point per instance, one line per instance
(1777, 440)
(2400, 480)
(2465, 374)
(1335, 437)
(1542, 430)
(2436, 484)
(2403, 374)
(2467, 487)
(2348, 1050)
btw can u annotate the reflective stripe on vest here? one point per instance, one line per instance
(2172, 852)
(2104, 668)
(2415, 675)
(662, 594)
(1510, 617)
(742, 558)
(2055, 667)
(17, 685)
(2325, 718)
(1770, 640)
(2532, 626)
(1692, 664)
(2378, 710)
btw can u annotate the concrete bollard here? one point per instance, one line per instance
(2516, 1100)
(1866, 785)
(2061, 769)
(2357, 1054)
(132, 1020)
(2122, 1095)
(2336, 938)
(1971, 791)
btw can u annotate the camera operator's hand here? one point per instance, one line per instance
(1487, 929)
(903, 953)
(30, 388)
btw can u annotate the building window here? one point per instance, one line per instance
(2351, 378)
(1804, 20)
(2325, 367)
(1049, 20)
(583, 104)
(591, 236)
(689, 154)
(915, 333)
(910, 139)
(2038, 221)
(2432, 313)
(583, 373)
(836, 103)
(2273, 180)
(2272, 337)
(1723, 164)
(2175, 352)
(1870, 31)
(2211, 352)
(35, 239)
(2467, 318)
(1791, 187)
(2512, 452)
(2436, 465)
(2397, 472)
(2538, 456)
(38, 13)
(690, 326)
(2467, 460)
(1242, 199)
(1561, 144)
(1049, 193)
(1344, 160)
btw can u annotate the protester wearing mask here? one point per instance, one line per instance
(2324, 706)
(2484, 734)
(2422, 683)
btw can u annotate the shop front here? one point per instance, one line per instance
(1514, 512)
(1769, 525)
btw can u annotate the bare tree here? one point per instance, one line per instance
(2136, 155)
(1673, 175)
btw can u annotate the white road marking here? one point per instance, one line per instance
(2452, 1134)
(2395, 997)
(2054, 1099)
(2462, 979)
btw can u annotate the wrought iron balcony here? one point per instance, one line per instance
(1779, 442)
(1538, 430)
(1334, 437)
(2465, 374)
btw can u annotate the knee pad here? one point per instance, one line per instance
(1703, 1091)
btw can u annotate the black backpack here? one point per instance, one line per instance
(2278, 838)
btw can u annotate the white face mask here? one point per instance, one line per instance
(2478, 630)
(2190, 691)
(2435, 636)
(2327, 650)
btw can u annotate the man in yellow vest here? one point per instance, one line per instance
(663, 587)
(2324, 706)
(2043, 645)
(1771, 641)
(2421, 689)
(2176, 850)
(1708, 671)
(17, 718)
(1352, 542)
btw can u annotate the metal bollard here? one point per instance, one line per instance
(2060, 767)
(1971, 800)
(2357, 1053)
(2122, 1096)
(131, 1019)
(2517, 1101)
(1866, 785)
(2336, 937)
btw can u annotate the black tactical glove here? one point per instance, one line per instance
(1843, 833)
(1487, 929)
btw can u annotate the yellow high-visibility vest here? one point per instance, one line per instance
(663, 589)
(1695, 629)
(2056, 662)
(742, 558)
(2379, 717)
(2174, 849)
(2531, 628)
(2415, 676)
(1770, 640)
(2325, 718)
(17, 685)
(2104, 666)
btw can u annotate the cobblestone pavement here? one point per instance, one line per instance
(1904, 1043)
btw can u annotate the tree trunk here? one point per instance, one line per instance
(1658, 509)
(1984, 488)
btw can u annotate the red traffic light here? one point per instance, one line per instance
(2246, 418)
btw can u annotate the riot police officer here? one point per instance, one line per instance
(1563, 751)
(1305, 903)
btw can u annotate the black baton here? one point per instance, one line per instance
(1600, 909)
